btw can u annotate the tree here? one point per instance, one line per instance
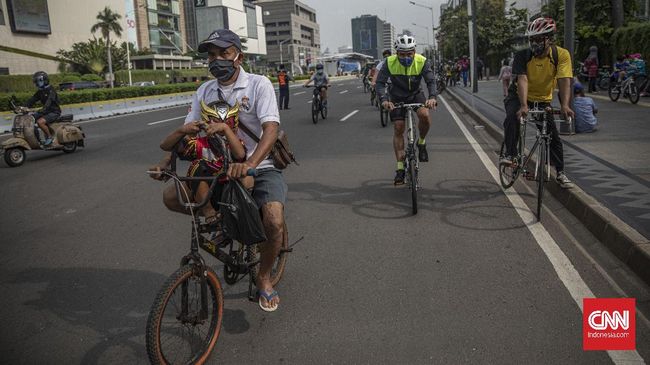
(91, 57)
(108, 22)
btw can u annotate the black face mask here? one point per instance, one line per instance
(223, 70)
(538, 48)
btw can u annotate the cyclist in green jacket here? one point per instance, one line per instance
(406, 70)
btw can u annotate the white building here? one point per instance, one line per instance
(241, 16)
(389, 36)
(46, 27)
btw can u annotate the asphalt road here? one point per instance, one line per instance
(86, 244)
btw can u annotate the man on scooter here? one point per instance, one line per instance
(51, 111)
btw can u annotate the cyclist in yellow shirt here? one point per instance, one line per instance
(535, 73)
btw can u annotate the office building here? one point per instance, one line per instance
(368, 35)
(292, 33)
(43, 27)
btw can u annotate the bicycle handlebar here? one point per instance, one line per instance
(407, 105)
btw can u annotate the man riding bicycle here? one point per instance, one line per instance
(321, 83)
(405, 72)
(535, 72)
(258, 113)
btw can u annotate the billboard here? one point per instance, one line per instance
(29, 16)
(131, 31)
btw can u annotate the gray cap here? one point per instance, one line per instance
(222, 38)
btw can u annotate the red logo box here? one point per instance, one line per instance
(608, 324)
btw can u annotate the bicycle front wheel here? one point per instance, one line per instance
(413, 178)
(383, 114)
(634, 94)
(314, 110)
(508, 173)
(541, 177)
(185, 319)
(614, 91)
(323, 112)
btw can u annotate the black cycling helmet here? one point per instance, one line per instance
(41, 80)
(386, 53)
(319, 66)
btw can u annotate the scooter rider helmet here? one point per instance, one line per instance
(41, 80)
(541, 26)
(405, 43)
(319, 66)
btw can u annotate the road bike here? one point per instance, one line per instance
(186, 316)
(384, 115)
(628, 87)
(411, 160)
(317, 106)
(366, 84)
(509, 172)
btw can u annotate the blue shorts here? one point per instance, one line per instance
(269, 187)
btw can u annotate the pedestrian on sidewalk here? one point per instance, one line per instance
(283, 83)
(505, 76)
(585, 110)
(464, 70)
(479, 68)
(591, 64)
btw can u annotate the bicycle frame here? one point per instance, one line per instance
(540, 137)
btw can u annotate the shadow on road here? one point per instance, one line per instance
(463, 203)
(114, 303)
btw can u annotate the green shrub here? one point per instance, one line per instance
(70, 78)
(91, 77)
(634, 38)
(90, 95)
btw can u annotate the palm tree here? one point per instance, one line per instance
(108, 22)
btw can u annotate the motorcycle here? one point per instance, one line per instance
(26, 136)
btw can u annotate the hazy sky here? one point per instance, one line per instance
(334, 18)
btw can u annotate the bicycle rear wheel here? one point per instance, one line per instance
(185, 319)
(314, 110)
(541, 177)
(413, 178)
(508, 173)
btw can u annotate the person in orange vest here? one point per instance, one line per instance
(283, 82)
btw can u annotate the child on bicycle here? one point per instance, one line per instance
(207, 156)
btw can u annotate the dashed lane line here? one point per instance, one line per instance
(349, 115)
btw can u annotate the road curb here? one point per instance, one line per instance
(623, 241)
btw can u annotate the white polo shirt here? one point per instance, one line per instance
(257, 105)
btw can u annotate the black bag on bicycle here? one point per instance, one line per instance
(240, 215)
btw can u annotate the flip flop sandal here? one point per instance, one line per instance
(268, 297)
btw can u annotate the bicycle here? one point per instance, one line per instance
(628, 87)
(366, 84)
(411, 160)
(317, 105)
(374, 100)
(192, 294)
(508, 173)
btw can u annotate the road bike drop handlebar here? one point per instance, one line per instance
(212, 180)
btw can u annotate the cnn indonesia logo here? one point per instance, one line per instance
(609, 324)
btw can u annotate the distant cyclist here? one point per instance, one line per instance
(406, 70)
(534, 74)
(387, 53)
(321, 82)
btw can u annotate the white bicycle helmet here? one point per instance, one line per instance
(404, 43)
(540, 26)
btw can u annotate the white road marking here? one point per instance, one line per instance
(359, 87)
(349, 115)
(302, 92)
(563, 267)
(165, 120)
(309, 102)
(343, 92)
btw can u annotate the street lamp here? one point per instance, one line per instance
(281, 43)
(426, 28)
(433, 27)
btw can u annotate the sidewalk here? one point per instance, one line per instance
(610, 164)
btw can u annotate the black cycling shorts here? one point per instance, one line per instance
(400, 113)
